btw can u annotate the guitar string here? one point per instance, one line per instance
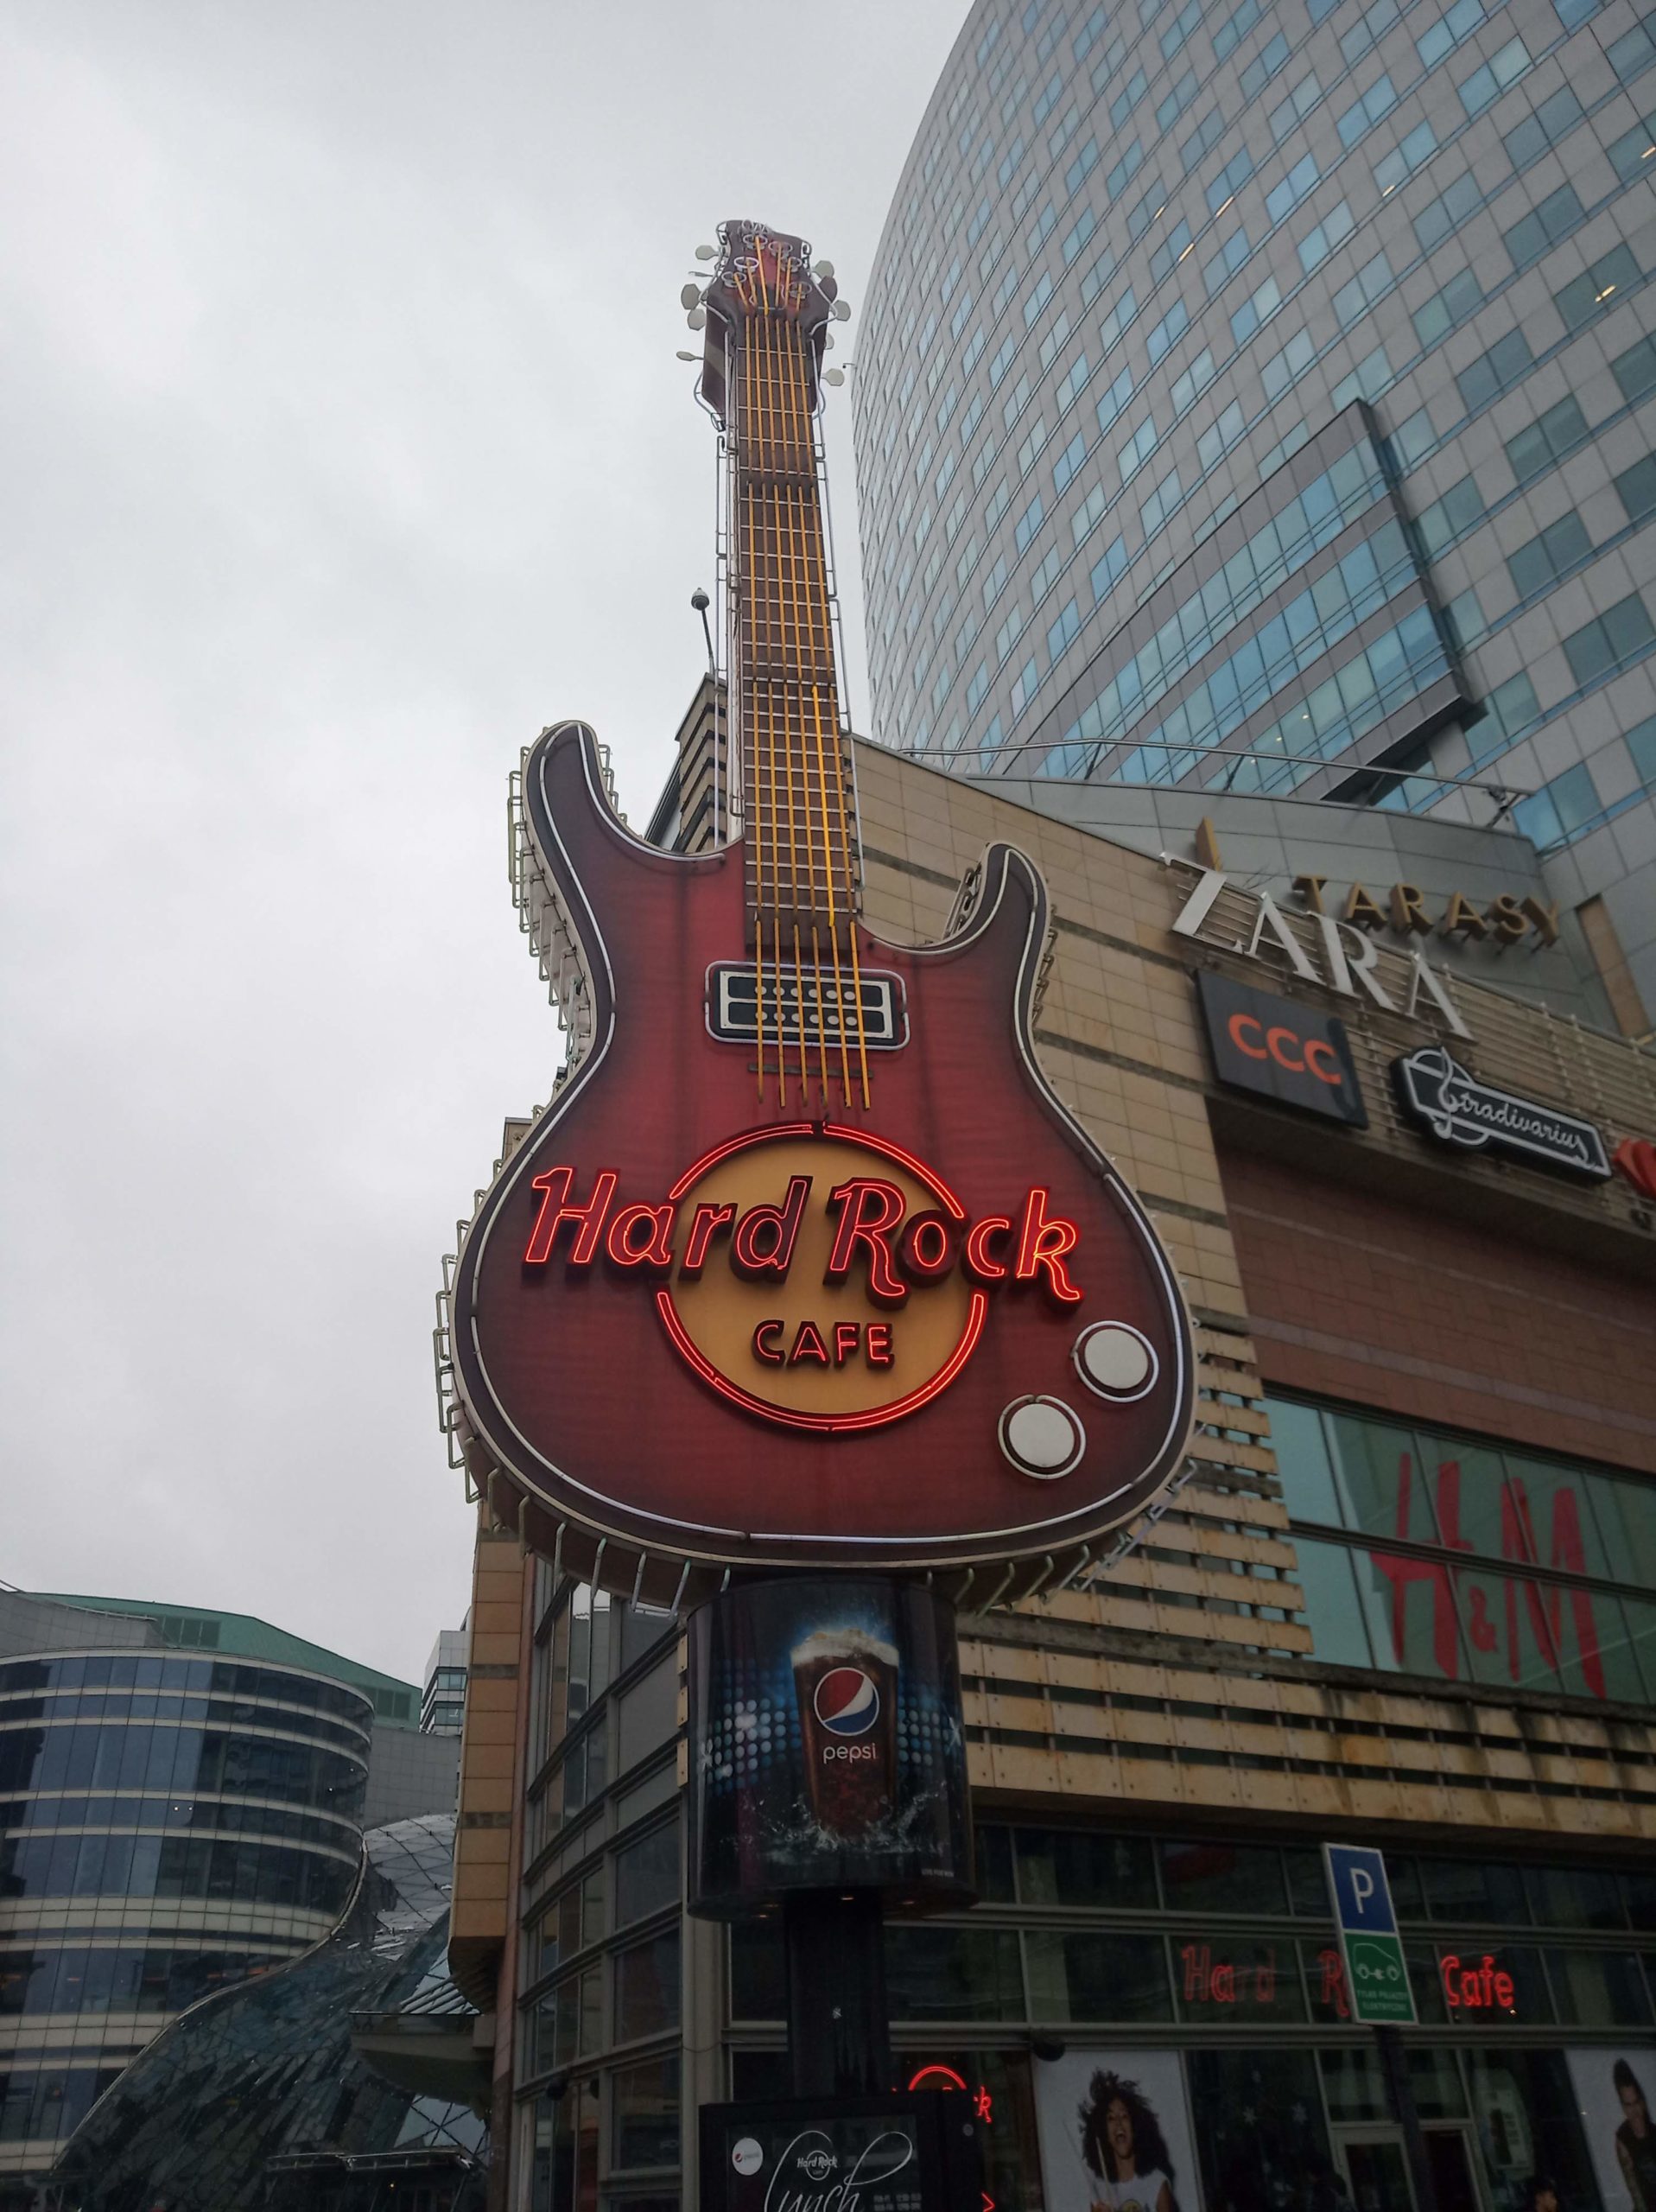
(763, 701)
(788, 656)
(809, 684)
(764, 463)
(823, 653)
(746, 293)
(755, 826)
(818, 595)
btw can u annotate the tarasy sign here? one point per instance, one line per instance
(1377, 1974)
(1281, 1049)
(1453, 1106)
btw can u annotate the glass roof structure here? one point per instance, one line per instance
(261, 2096)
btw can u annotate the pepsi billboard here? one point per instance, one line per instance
(826, 1745)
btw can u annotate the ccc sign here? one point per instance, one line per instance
(1281, 1050)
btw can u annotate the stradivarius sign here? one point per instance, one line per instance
(1454, 1107)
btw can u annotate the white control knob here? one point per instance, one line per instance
(1115, 1360)
(1041, 1437)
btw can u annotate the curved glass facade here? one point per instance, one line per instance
(1155, 277)
(168, 1826)
(261, 2100)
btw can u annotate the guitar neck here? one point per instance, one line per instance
(799, 803)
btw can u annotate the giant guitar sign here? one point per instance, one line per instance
(806, 1265)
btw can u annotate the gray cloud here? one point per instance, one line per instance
(344, 446)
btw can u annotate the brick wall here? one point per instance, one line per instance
(1354, 1296)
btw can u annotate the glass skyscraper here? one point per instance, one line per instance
(1254, 395)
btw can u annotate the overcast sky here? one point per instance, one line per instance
(343, 446)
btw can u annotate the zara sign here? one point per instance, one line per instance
(1350, 960)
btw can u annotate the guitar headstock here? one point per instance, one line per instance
(763, 276)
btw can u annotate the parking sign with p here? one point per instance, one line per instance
(1377, 1974)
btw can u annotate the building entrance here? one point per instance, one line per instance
(1377, 2169)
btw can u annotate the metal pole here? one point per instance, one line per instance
(838, 2033)
(1388, 2042)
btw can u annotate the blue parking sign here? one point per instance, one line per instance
(1363, 1896)
(1377, 1973)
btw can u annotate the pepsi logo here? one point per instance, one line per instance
(846, 1702)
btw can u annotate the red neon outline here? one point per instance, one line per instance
(828, 1424)
(947, 2071)
(737, 1144)
(915, 1167)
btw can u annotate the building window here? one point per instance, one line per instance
(1635, 370)
(1609, 641)
(1554, 217)
(1335, 227)
(1632, 153)
(1462, 296)
(1547, 439)
(1597, 291)
(1561, 809)
(1498, 74)
(1562, 546)
(1492, 1589)
(1507, 363)
(1441, 218)
(1448, 32)
(1539, 132)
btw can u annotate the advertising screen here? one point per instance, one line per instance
(826, 1745)
(1115, 2133)
(901, 2153)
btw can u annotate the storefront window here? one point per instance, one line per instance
(1327, 1574)
(1230, 1983)
(1071, 1867)
(1472, 1889)
(1257, 2119)
(1598, 1989)
(1575, 1896)
(645, 2103)
(1447, 1616)
(646, 1988)
(1222, 1877)
(1002, 2095)
(646, 1875)
(758, 1985)
(1385, 1488)
(1527, 2123)
(1097, 1977)
(953, 1974)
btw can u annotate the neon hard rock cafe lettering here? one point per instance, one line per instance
(880, 1245)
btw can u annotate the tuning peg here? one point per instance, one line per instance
(707, 253)
(697, 317)
(689, 295)
(841, 310)
(822, 268)
(828, 341)
(683, 356)
(833, 376)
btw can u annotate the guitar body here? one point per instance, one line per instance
(640, 1410)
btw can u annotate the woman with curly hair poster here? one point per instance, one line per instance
(1114, 2135)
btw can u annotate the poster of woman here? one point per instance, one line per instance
(1614, 2091)
(1115, 2135)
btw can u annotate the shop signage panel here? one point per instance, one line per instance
(1377, 1974)
(1281, 1049)
(1452, 1105)
(825, 1745)
(910, 2152)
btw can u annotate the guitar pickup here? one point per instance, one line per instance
(809, 1005)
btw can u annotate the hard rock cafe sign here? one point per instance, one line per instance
(806, 1266)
